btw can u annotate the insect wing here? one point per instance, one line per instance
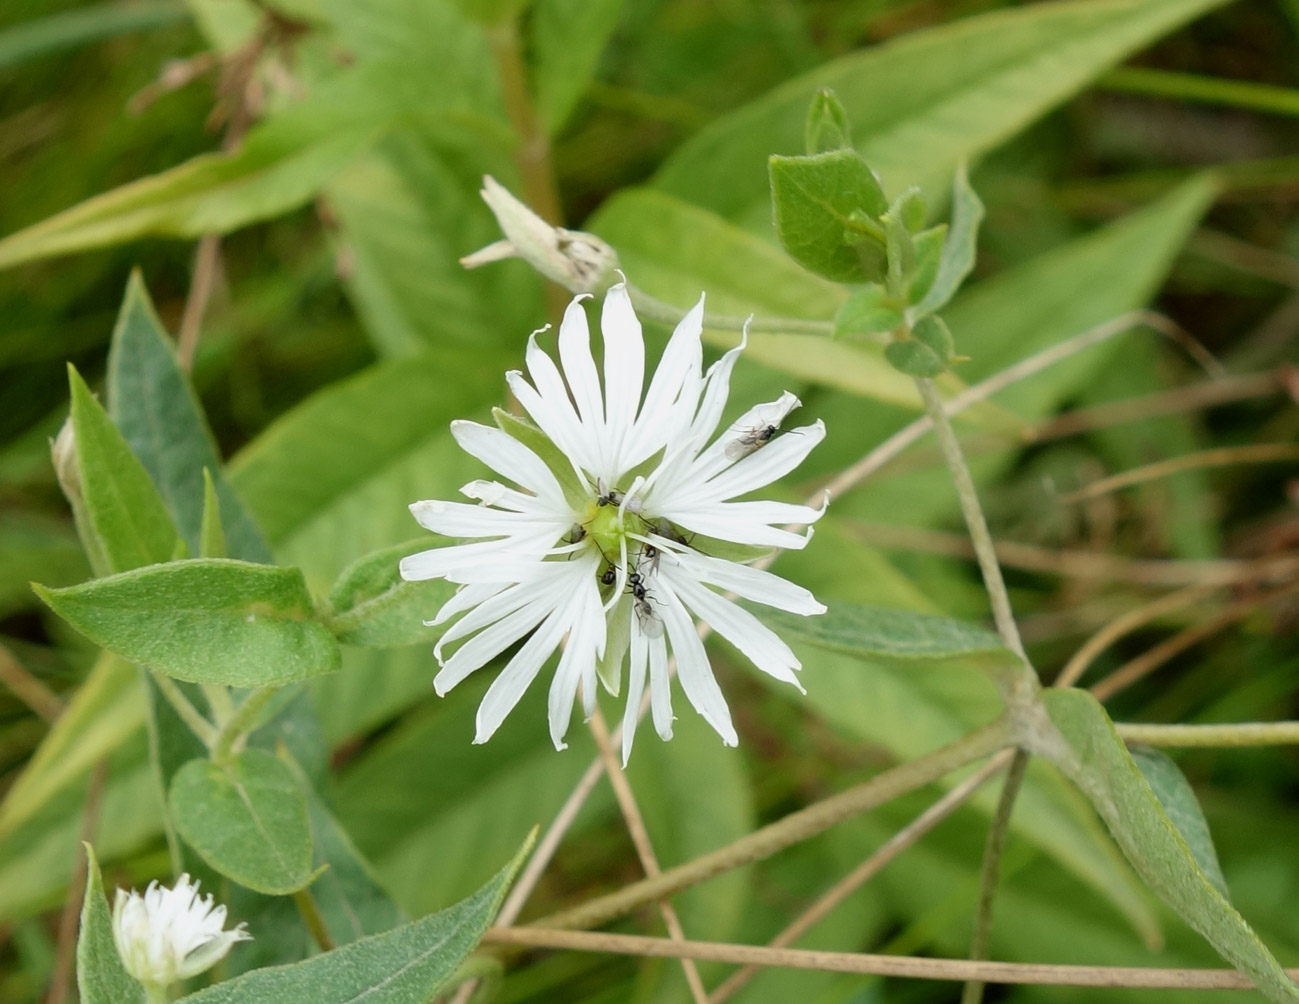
(741, 446)
(651, 625)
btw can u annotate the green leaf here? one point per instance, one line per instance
(827, 125)
(373, 605)
(1091, 754)
(914, 358)
(67, 29)
(860, 630)
(104, 711)
(869, 311)
(126, 516)
(347, 893)
(408, 965)
(675, 250)
(959, 251)
(280, 165)
(568, 37)
(247, 819)
(933, 334)
(926, 101)
(331, 446)
(208, 620)
(211, 538)
(101, 977)
(405, 218)
(152, 401)
(544, 447)
(1182, 808)
(814, 200)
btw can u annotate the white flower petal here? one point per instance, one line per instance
(759, 644)
(693, 668)
(511, 459)
(636, 666)
(761, 467)
(583, 383)
(465, 598)
(660, 686)
(724, 527)
(491, 642)
(751, 583)
(624, 363)
(678, 370)
(514, 679)
(577, 664)
(550, 385)
(460, 519)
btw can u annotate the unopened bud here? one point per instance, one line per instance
(63, 450)
(578, 261)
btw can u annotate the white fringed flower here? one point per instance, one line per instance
(168, 935)
(616, 535)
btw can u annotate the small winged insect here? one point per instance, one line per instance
(761, 433)
(576, 534)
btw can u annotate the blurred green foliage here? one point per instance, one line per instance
(341, 337)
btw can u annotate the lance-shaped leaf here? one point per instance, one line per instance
(126, 516)
(408, 965)
(101, 977)
(960, 248)
(374, 606)
(1090, 753)
(152, 402)
(208, 620)
(1182, 808)
(247, 819)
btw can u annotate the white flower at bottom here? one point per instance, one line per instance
(614, 540)
(168, 935)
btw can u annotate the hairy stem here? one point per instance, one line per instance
(793, 829)
(650, 308)
(239, 723)
(313, 920)
(1214, 736)
(189, 714)
(990, 871)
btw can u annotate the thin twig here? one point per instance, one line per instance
(1223, 456)
(1022, 370)
(990, 870)
(66, 954)
(868, 869)
(1217, 736)
(1127, 623)
(1077, 564)
(792, 829)
(908, 967)
(189, 714)
(640, 839)
(27, 688)
(1146, 663)
(1176, 401)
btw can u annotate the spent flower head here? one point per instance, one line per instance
(168, 935)
(619, 530)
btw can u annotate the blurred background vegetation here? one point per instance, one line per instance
(1170, 180)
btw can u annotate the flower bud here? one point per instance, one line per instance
(168, 935)
(578, 261)
(63, 450)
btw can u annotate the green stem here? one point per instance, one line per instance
(984, 550)
(1217, 736)
(314, 920)
(649, 308)
(239, 723)
(218, 699)
(199, 725)
(793, 829)
(990, 871)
